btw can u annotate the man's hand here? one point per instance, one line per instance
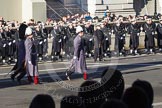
(75, 57)
(29, 62)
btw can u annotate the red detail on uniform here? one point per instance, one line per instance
(36, 80)
(85, 75)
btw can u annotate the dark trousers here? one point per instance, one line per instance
(19, 70)
(98, 53)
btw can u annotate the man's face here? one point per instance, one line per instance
(81, 34)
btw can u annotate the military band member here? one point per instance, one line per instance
(98, 43)
(149, 28)
(134, 31)
(159, 32)
(31, 56)
(79, 59)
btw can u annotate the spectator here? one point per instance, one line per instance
(113, 103)
(136, 97)
(88, 16)
(91, 97)
(147, 87)
(72, 102)
(42, 101)
(113, 83)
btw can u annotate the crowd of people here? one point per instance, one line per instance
(97, 36)
(80, 36)
(110, 93)
(92, 39)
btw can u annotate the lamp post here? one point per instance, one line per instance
(155, 6)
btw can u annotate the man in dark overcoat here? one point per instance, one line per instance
(159, 36)
(134, 31)
(98, 43)
(150, 28)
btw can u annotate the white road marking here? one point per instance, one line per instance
(157, 104)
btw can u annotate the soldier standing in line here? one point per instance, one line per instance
(3, 45)
(39, 45)
(88, 30)
(134, 31)
(159, 32)
(107, 39)
(9, 51)
(56, 44)
(98, 43)
(31, 56)
(150, 28)
(71, 32)
(45, 39)
(119, 31)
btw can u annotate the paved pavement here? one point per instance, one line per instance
(146, 67)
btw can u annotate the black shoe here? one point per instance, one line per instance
(19, 81)
(67, 76)
(12, 77)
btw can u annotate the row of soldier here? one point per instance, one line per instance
(97, 38)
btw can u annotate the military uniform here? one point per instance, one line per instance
(134, 31)
(119, 31)
(149, 37)
(98, 45)
(159, 36)
(31, 56)
(57, 43)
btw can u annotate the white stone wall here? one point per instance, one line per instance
(160, 4)
(23, 10)
(92, 7)
(11, 9)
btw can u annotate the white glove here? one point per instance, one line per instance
(153, 33)
(90, 39)
(9, 43)
(138, 34)
(59, 41)
(75, 57)
(29, 62)
(45, 40)
(107, 39)
(123, 34)
(121, 38)
(40, 42)
(4, 45)
(64, 37)
(109, 33)
(14, 41)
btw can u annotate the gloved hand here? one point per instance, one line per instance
(75, 57)
(29, 62)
